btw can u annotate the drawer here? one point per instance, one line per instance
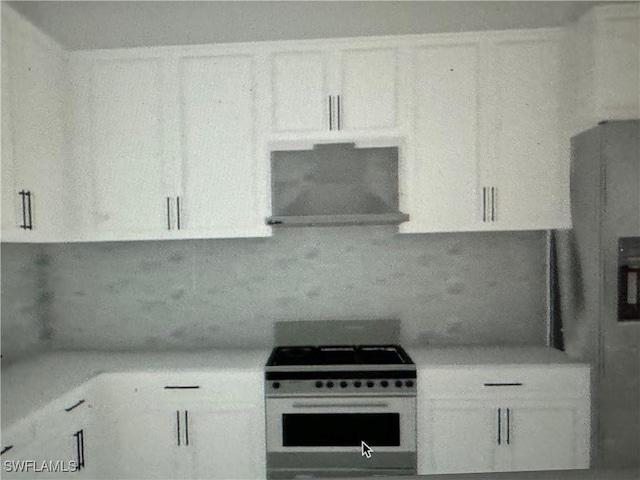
(175, 387)
(500, 381)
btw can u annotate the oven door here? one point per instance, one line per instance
(322, 436)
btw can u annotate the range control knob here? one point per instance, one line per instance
(275, 385)
(318, 384)
(329, 384)
(370, 384)
(409, 383)
(398, 383)
(357, 384)
(384, 383)
(343, 384)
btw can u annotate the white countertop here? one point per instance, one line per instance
(518, 355)
(30, 384)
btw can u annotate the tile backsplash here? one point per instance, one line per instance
(25, 300)
(459, 288)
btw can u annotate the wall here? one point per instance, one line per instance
(25, 301)
(445, 288)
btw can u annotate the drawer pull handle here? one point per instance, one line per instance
(6, 449)
(181, 387)
(75, 405)
(501, 384)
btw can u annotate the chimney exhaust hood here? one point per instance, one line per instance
(335, 184)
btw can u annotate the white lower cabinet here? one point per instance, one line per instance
(53, 443)
(192, 441)
(474, 436)
(195, 426)
(458, 436)
(226, 442)
(543, 435)
(497, 419)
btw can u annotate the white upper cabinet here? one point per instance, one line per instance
(617, 54)
(33, 134)
(174, 142)
(602, 67)
(299, 92)
(368, 91)
(165, 146)
(334, 90)
(524, 180)
(486, 150)
(441, 180)
(220, 167)
(120, 147)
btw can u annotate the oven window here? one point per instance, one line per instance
(341, 429)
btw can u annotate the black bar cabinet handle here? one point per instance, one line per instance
(79, 435)
(77, 450)
(186, 427)
(330, 112)
(6, 449)
(178, 425)
(168, 213)
(339, 112)
(484, 204)
(508, 425)
(181, 387)
(24, 209)
(499, 426)
(502, 384)
(82, 447)
(30, 227)
(178, 212)
(493, 204)
(75, 405)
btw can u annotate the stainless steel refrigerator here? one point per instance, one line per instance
(598, 261)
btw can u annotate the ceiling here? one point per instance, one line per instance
(113, 24)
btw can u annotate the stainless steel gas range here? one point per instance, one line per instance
(339, 411)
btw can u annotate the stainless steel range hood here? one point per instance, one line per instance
(335, 184)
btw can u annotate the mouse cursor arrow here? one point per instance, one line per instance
(366, 450)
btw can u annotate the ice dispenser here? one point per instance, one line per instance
(629, 279)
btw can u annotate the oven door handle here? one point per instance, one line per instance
(345, 405)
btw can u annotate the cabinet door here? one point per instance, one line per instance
(299, 92)
(368, 90)
(442, 170)
(220, 175)
(10, 218)
(526, 176)
(121, 117)
(229, 443)
(33, 130)
(616, 57)
(457, 436)
(544, 437)
(148, 443)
